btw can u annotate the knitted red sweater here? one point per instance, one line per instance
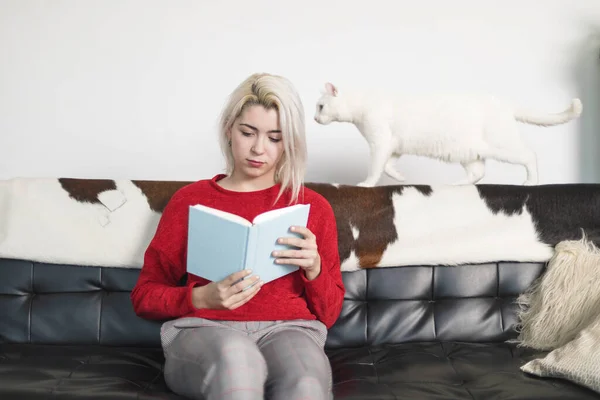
(158, 296)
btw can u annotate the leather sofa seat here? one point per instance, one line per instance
(419, 332)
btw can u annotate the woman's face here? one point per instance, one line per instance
(256, 144)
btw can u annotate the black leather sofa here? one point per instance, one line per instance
(405, 333)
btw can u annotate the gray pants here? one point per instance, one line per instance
(226, 360)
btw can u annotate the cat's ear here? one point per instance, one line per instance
(331, 89)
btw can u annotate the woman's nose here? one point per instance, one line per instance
(259, 146)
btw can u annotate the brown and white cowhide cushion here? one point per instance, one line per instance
(111, 222)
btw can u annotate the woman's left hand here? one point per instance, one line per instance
(306, 256)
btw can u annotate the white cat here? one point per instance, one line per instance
(455, 128)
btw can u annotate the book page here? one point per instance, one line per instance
(265, 238)
(217, 247)
(222, 214)
(269, 215)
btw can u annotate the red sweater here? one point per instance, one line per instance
(158, 296)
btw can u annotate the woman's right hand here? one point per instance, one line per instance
(227, 294)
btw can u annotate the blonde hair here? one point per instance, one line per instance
(271, 92)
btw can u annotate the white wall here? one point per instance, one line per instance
(132, 89)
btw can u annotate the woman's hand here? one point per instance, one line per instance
(306, 256)
(230, 293)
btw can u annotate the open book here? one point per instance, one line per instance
(220, 243)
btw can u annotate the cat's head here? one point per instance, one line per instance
(331, 106)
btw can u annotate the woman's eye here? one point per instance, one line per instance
(246, 133)
(275, 140)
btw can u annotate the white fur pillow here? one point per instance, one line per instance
(577, 361)
(564, 299)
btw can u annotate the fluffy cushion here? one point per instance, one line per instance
(577, 361)
(564, 299)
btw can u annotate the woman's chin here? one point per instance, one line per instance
(256, 173)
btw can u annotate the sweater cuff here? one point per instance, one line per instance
(190, 305)
(318, 285)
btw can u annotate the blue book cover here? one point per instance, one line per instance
(221, 243)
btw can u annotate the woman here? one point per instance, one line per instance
(224, 342)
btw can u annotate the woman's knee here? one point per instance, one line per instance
(238, 352)
(216, 346)
(299, 368)
(215, 365)
(311, 386)
(305, 386)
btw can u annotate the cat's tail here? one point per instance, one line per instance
(574, 111)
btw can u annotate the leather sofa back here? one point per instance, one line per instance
(468, 303)
(64, 304)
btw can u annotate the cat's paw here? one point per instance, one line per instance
(392, 173)
(397, 177)
(463, 182)
(365, 184)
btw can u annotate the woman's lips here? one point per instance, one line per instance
(255, 163)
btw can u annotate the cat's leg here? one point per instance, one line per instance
(523, 156)
(391, 170)
(508, 146)
(530, 164)
(475, 172)
(380, 153)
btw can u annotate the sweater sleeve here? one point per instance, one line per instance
(157, 293)
(325, 293)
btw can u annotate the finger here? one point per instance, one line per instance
(241, 303)
(236, 276)
(294, 254)
(300, 243)
(244, 296)
(244, 284)
(301, 262)
(307, 233)
(246, 299)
